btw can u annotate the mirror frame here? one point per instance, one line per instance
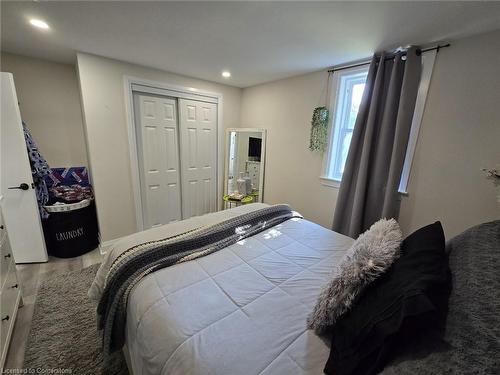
(262, 157)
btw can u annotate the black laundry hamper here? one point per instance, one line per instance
(71, 233)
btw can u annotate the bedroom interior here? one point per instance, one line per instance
(250, 187)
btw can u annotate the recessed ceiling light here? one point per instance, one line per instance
(39, 23)
(226, 74)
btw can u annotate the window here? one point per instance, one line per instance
(347, 89)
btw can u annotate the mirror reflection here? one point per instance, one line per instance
(245, 166)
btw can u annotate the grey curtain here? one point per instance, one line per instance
(369, 186)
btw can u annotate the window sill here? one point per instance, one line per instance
(330, 182)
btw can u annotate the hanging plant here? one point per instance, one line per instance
(494, 175)
(319, 130)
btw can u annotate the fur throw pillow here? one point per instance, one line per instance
(369, 257)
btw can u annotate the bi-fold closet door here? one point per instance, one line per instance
(177, 155)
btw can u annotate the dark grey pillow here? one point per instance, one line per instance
(370, 256)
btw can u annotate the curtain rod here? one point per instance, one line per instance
(437, 48)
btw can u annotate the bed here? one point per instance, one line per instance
(241, 310)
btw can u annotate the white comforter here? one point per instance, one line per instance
(241, 310)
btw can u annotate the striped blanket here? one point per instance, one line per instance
(139, 261)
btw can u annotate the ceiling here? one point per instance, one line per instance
(256, 41)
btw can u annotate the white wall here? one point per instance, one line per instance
(460, 133)
(292, 172)
(50, 105)
(102, 91)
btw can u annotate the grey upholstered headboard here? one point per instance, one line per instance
(472, 336)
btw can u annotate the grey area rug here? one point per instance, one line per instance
(63, 331)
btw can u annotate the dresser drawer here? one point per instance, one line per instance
(9, 299)
(10, 287)
(5, 259)
(3, 231)
(5, 245)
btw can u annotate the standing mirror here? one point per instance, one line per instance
(245, 157)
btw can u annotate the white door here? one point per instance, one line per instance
(232, 155)
(158, 147)
(198, 128)
(19, 206)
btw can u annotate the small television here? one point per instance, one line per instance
(254, 148)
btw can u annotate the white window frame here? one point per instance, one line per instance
(428, 60)
(335, 120)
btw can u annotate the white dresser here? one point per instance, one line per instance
(253, 169)
(10, 292)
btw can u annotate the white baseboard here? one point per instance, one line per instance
(105, 245)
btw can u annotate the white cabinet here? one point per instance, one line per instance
(253, 169)
(10, 291)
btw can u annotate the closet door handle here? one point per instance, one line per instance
(7, 256)
(15, 286)
(6, 318)
(22, 186)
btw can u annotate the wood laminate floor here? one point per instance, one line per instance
(31, 276)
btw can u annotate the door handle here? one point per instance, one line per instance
(22, 186)
(5, 318)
